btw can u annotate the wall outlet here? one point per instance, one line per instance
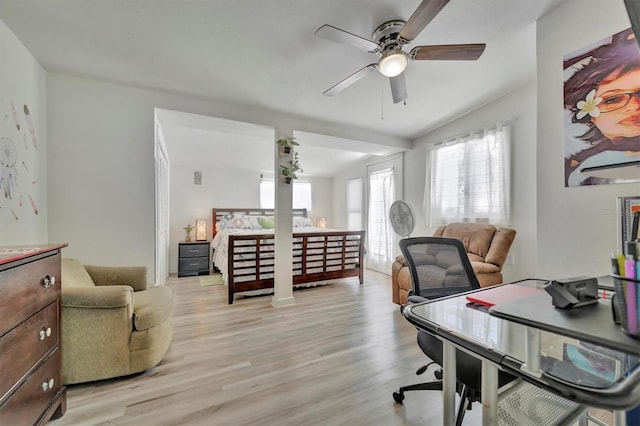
(510, 260)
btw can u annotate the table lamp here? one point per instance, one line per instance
(201, 229)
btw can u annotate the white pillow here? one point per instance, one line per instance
(239, 221)
(302, 222)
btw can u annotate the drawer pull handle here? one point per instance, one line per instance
(46, 385)
(194, 264)
(49, 281)
(45, 332)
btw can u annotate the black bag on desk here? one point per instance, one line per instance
(573, 292)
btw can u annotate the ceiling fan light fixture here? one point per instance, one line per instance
(392, 64)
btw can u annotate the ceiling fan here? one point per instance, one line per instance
(388, 41)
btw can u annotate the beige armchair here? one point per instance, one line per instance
(486, 246)
(112, 324)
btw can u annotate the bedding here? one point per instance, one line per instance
(245, 256)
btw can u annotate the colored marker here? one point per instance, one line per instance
(615, 268)
(630, 295)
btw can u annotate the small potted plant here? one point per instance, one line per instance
(188, 230)
(286, 144)
(290, 170)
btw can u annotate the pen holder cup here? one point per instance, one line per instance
(626, 304)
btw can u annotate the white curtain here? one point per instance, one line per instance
(379, 233)
(468, 179)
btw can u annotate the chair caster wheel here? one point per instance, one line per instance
(398, 397)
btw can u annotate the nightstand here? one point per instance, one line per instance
(193, 258)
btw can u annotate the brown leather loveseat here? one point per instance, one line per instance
(486, 245)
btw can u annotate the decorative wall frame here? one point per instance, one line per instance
(600, 107)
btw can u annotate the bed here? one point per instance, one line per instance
(243, 250)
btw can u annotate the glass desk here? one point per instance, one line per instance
(569, 371)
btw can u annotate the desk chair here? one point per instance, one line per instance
(440, 267)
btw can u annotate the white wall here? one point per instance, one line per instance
(519, 108)
(321, 199)
(339, 191)
(102, 169)
(576, 226)
(23, 176)
(221, 187)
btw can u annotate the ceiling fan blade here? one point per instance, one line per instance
(350, 80)
(447, 52)
(426, 11)
(329, 32)
(398, 88)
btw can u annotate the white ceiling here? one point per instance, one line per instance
(264, 54)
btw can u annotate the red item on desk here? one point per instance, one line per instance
(503, 293)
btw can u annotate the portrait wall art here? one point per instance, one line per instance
(601, 107)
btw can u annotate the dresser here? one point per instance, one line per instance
(31, 390)
(193, 258)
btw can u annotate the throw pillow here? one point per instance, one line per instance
(267, 222)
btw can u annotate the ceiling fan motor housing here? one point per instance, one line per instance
(386, 35)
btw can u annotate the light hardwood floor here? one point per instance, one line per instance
(332, 359)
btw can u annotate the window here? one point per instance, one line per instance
(354, 204)
(468, 179)
(301, 195)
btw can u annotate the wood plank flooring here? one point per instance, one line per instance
(332, 359)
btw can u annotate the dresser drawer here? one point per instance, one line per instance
(24, 346)
(194, 250)
(27, 404)
(194, 264)
(23, 290)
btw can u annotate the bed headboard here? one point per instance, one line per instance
(218, 213)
